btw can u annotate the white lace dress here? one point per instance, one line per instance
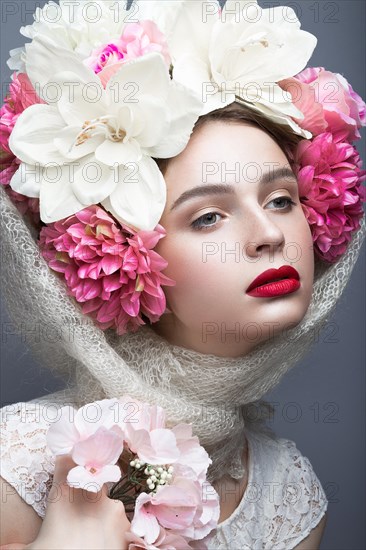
(282, 503)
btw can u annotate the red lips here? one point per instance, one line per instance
(284, 272)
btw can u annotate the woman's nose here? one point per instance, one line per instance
(265, 235)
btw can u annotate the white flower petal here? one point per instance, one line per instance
(57, 199)
(151, 121)
(131, 120)
(26, 180)
(190, 32)
(268, 47)
(233, 9)
(140, 197)
(143, 76)
(16, 60)
(217, 101)
(184, 109)
(117, 152)
(279, 118)
(93, 181)
(44, 57)
(79, 100)
(66, 143)
(193, 72)
(32, 138)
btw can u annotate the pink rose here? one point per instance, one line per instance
(328, 102)
(137, 40)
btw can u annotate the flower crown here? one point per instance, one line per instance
(100, 91)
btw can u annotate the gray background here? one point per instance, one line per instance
(320, 404)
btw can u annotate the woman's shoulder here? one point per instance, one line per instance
(26, 463)
(281, 459)
(283, 501)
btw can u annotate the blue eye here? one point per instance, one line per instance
(200, 225)
(287, 200)
(197, 224)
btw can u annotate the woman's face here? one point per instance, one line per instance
(218, 243)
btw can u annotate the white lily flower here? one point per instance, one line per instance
(82, 149)
(242, 53)
(76, 25)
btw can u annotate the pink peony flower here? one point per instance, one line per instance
(328, 102)
(329, 176)
(110, 269)
(137, 40)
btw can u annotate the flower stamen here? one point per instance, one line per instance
(100, 125)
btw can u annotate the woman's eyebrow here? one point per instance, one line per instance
(227, 189)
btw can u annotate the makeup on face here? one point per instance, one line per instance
(275, 282)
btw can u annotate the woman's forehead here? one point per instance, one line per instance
(220, 152)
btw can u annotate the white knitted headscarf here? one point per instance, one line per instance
(210, 392)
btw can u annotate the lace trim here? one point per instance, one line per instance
(283, 501)
(26, 463)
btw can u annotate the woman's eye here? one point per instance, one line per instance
(199, 223)
(282, 200)
(281, 204)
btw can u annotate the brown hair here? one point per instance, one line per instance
(240, 113)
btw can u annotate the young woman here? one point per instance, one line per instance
(234, 209)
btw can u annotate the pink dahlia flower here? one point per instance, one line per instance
(21, 95)
(110, 269)
(330, 189)
(137, 40)
(328, 102)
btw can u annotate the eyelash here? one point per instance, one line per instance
(196, 225)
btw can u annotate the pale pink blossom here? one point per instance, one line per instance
(92, 439)
(185, 506)
(166, 540)
(108, 267)
(207, 510)
(328, 102)
(192, 454)
(172, 507)
(139, 415)
(96, 457)
(154, 447)
(331, 192)
(75, 425)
